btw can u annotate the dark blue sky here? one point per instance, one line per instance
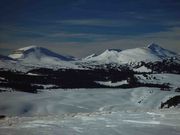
(80, 27)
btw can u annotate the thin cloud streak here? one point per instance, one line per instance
(98, 22)
(168, 39)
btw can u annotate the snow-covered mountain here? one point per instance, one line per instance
(151, 53)
(33, 56)
(161, 52)
(37, 53)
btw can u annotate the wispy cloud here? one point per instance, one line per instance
(167, 39)
(98, 22)
(69, 40)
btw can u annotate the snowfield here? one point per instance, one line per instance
(89, 111)
(81, 101)
(115, 123)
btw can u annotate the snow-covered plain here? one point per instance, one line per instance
(89, 111)
(115, 123)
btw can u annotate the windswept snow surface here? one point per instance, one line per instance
(115, 123)
(89, 111)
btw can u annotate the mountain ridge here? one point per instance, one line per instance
(33, 57)
(37, 52)
(152, 52)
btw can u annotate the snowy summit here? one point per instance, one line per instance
(152, 52)
(35, 52)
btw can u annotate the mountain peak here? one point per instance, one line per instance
(153, 46)
(116, 50)
(27, 48)
(37, 53)
(160, 52)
